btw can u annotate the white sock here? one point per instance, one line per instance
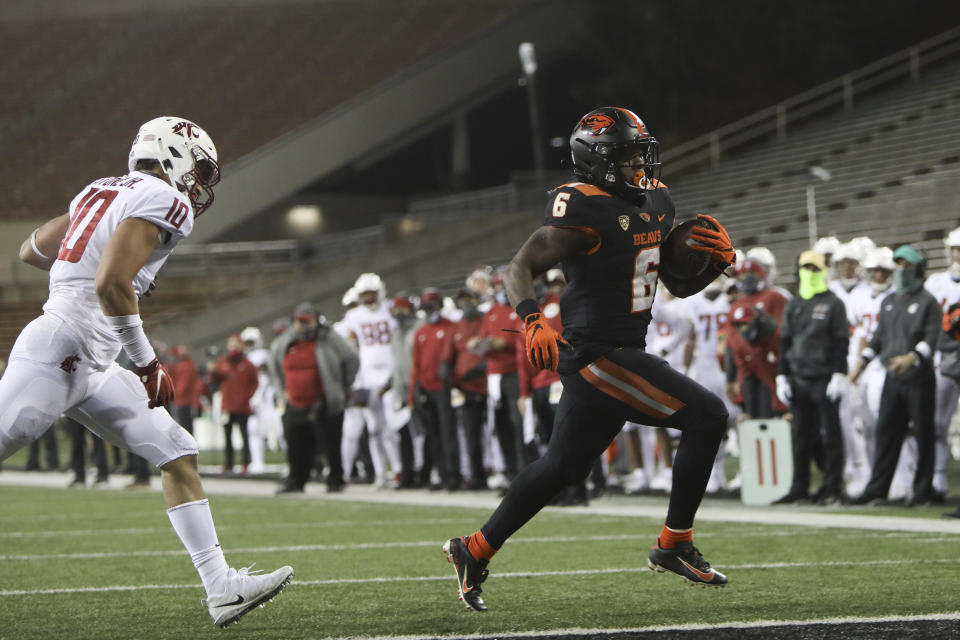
(194, 524)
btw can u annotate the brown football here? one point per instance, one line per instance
(676, 256)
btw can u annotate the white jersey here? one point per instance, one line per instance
(863, 312)
(837, 287)
(707, 317)
(95, 214)
(373, 331)
(668, 333)
(944, 288)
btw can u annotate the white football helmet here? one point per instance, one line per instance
(764, 257)
(370, 282)
(863, 246)
(349, 298)
(826, 245)
(252, 335)
(879, 258)
(952, 239)
(848, 251)
(185, 153)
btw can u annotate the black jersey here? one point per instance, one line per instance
(610, 289)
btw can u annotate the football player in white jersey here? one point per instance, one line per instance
(707, 312)
(370, 326)
(863, 398)
(945, 287)
(264, 424)
(102, 255)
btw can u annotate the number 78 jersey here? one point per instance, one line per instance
(610, 288)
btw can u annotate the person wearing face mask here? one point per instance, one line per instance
(238, 382)
(846, 278)
(314, 367)
(753, 347)
(469, 366)
(908, 330)
(945, 287)
(395, 400)
(430, 392)
(811, 375)
(752, 289)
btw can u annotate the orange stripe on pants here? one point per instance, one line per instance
(631, 378)
(619, 394)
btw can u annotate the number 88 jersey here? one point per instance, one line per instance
(610, 289)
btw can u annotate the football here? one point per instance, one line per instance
(676, 256)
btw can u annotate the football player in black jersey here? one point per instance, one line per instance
(606, 230)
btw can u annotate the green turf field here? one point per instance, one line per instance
(107, 564)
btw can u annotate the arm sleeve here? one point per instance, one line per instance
(840, 345)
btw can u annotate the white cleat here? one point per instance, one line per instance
(244, 591)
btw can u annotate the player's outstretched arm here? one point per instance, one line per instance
(127, 251)
(543, 249)
(41, 247)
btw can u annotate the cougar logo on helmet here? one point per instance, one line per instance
(192, 130)
(596, 124)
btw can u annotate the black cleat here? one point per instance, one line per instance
(686, 561)
(470, 572)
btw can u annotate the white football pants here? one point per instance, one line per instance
(49, 374)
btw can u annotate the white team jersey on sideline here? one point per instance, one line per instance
(944, 288)
(707, 317)
(863, 312)
(95, 213)
(837, 287)
(373, 329)
(668, 333)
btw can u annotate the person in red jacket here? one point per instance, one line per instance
(186, 386)
(753, 343)
(499, 330)
(430, 392)
(752, 289)
(238, 382)
(469, 367)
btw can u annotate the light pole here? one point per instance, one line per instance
(816, 173)
(528, 59)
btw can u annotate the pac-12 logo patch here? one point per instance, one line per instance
(596, 124)
(624, 222)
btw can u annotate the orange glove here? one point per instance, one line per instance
(951, 321)
(715, 241)
(158, 383)
(541, 342)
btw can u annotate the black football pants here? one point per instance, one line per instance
(627, 384)
(902, 403)
(816, 427)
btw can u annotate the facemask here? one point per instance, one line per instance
(234, 354)
(906, 280)
(433, 317)
(849, 283)
(955, 271)
(811, 283)
(749, 284)
(879, 287)
(403, 319)
(469, 310)
(307, 334)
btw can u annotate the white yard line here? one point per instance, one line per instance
(752, 624)
(643, 507)
(450, 576)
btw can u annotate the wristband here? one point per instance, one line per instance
(527, 307)
(33, 244)
(129, 331)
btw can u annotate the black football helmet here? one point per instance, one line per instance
(609, 139)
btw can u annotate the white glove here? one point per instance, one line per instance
(836, 386)
(784, 392)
